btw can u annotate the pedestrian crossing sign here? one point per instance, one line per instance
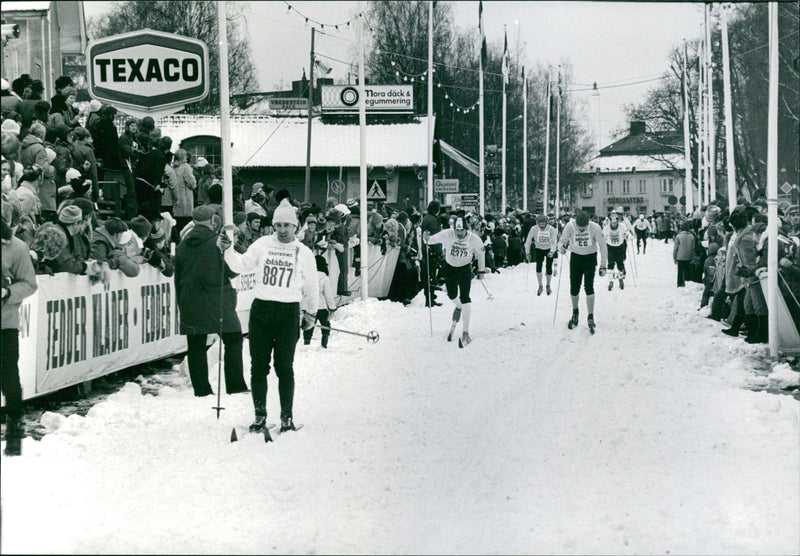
(377, 191)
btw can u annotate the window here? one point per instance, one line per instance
(642, 209)
(642, 186)
(610, 187)
(203, 145)
(626, 186)
(666, 185)
(588, 189)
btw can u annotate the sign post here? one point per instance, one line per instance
(148, 73)
(445, 186)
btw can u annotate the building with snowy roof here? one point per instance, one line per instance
(642, 172)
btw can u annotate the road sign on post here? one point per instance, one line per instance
(148, 73)
(445, 186)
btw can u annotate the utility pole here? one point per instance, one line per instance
(729, 131)
(307, 191)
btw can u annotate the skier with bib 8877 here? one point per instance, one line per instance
(460, 247)
(584, 239)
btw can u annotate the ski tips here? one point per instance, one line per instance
(234, 438)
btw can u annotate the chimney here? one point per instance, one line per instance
(638, 128)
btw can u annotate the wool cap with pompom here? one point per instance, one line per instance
(285, 213)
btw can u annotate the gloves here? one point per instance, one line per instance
(307, 320)
(479, 274)
(155, 258)
(602, 271)
(551, 254)
(223, 242)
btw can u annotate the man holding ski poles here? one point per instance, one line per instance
(286, 288)
(584, 239)
(460, 247)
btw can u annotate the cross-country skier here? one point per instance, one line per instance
(541, 244)
(584, 239)
(286, 287)
(460, 247)
(615, 233)
(643, 229)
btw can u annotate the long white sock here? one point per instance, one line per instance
(465, 314)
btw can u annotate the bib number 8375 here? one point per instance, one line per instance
(274, 276)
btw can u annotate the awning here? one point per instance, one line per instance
(460, 158)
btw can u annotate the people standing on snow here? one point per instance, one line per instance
(643, 229)
(615, 233)
(19, 282)
(286, 297)
(327, 303)
(683, 252)
(540, 245)
(460, 247)
(207, 303)
(584, 239)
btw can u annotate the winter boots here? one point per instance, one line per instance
(757, 329)
(573, 322)
(15, 432)
(259, 424)
(287, 425)
(541, 289)
(736, 325)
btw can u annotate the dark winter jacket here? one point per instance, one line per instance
(106, 144)
(200, 272)
(104, 249)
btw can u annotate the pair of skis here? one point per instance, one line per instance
(462, 341)
(266, 432)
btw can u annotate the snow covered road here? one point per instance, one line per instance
(644, 438)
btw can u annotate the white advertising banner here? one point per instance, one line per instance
(379, 98)
(72, 331)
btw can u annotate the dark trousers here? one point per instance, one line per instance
(540, 256)
(641, 239)
(581, 269)
(708, 293)
(198, 363)
(719, 307)
(9, 364)
(323, 317)
(684, 272)
(616, 258)
(457, 280)
(344, 272)
(274, 330)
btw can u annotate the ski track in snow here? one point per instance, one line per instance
(642, 438)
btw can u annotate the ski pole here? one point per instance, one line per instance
(487, 290)
(527, 272)
(371, 336)
(219, 363)
(635, 269)
(558, 291)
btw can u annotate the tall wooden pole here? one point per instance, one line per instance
(524, 141)
(558, 147)
(362, 128)
(430, 101)
(224, 116)
(772, 183)
(712, 133)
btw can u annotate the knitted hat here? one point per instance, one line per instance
(73, 174)
(285, 213)
(311, 219)
(321, 221)
(203, 213)
(70, 214)
(10, 126)
(239, 218)
(141, 226)
(341, 207)
(201, 162)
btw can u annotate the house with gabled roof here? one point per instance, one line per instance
(641, 172)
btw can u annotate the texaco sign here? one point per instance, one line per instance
(148, 72)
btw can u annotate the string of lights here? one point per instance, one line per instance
(321, 24)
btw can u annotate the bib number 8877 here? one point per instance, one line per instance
(274, 276)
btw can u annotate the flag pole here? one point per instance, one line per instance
(712, 143)
(688, 188)
(307, 188)
(524, 141)
(729, 131)
(362, 127)
(481, 146)
(558, 146)
(505, 78)
(430, 101)
(546, 202)
(772, 183)
(224, 116)
(701, 130)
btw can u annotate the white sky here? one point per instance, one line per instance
(606, 42)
